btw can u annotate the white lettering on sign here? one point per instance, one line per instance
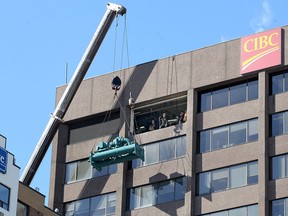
(2, 159)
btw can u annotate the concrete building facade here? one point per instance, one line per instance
(222, 147)
(9, 177)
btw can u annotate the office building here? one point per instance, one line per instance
(9, 178)
(213, 123)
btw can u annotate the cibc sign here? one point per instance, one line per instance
(3, 160)
(260, 51)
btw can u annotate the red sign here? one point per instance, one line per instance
(260, 51)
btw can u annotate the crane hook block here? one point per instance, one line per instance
(116, 83)
(119, 150)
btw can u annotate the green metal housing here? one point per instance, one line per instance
(118, 151)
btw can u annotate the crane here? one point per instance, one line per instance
(56, 117)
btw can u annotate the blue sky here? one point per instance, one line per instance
(38, 38)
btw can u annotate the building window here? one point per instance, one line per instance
(279, 207)
(227, 136)
(159, 193)
(279, 165)
(162, 151)
(279, 123)
(159, 115)
(227, 178)
(81, 170)
(99, 205)
(4, 197)
(251, 210)
(97, 126)
(279, 83)
(230, 95)
(22, 209)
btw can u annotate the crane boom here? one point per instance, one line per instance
(71, 89)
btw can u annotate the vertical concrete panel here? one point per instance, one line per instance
(263, 160)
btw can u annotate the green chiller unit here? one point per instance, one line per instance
(118, 151)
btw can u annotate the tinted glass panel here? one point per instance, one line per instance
(204, 180)
(152, 154)
(223, 213)
(238, 133)
(278, 208)
(238, 94)
(220, 98)
(286, 82)
(180, 146)
(219, 138)
(252, 173)
(165, 192)
(252, 210)
(238, 212)
(253, 90)
(148, 196)
(167, 150)
(71, 172)
(82, 207)
(180, 188)
(84, 170)
(277, 84)
(205, 102)
(285, 122)
(252, 130)
(205, 141)
(277, 124)
(219, 180)
(278, 167)
(238, 176)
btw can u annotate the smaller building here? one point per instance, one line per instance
(31, 202)
(9, 178)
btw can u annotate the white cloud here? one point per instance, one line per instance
(263, 19)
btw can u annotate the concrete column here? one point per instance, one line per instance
(190, 152)
(263, 160)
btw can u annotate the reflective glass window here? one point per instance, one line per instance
(277, 84)
(219, 180)
(238, 176)
(180, 144)
(286, 82)
(253, 90)
(220, 98)
(252, 130)
(238, 133)
(152, 154)
(278, 207)
(22, 210)
(167, 150)
(277, 124)
(252, 172)
(165, 192)
(205, 102)
(252, 210)
(238, 212)
(84, 170)
(180, 186)
(219, 138)
(205, 141)
(111, 203)
(71, 172)
(278, 167)
(148, 196)
(82, 207)
(238, 94)
(4, 197)
(204, 183)
(222, 213)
